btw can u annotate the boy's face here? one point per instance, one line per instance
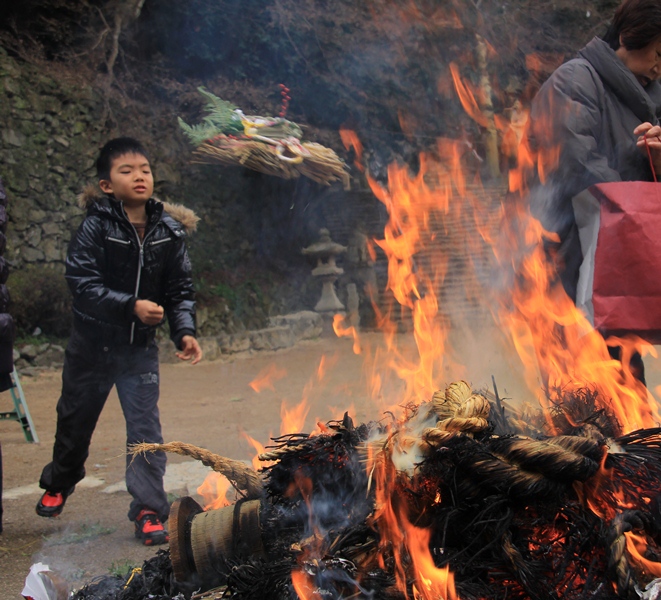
(131, 180)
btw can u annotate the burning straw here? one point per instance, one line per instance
(459, 499)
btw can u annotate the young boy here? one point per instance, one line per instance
(127, 267)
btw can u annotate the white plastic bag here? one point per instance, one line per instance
(43, 584)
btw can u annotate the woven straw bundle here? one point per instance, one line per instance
(270, 145)
(317, 162)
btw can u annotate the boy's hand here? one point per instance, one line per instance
(190, 349)
(148, 312)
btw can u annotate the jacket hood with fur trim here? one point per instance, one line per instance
(180, 213)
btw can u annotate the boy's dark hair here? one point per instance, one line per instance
(114, 149)
(637, 22)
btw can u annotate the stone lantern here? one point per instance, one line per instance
(325, 251)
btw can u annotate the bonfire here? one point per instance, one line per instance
(463, 498)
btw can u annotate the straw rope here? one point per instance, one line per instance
(515, 465)
(518, 563)
(617, 550)
(278, 453)
(593, 448)
(520, 467)
(240, 475)
(459, 409)
(551, 460)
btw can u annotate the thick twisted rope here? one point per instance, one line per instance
(459, 409)
(241, 476)
(515, 464)
(618, 561)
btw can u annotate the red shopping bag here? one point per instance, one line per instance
(620, 278)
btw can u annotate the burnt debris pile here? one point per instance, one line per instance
(464, 497)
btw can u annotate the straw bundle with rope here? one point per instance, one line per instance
(270, 145)
(515, 500)
(522, 465)
(285, 159)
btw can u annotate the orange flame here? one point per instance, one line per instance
(543, 62)
(293, 419)
(351, 140)
(266, 378)
(554, 341)
(326, 363)
(413, 205)
(304, 585)
(552, 336)
(386, 515)
(432, 583)
(259, 449)
(636, 547)
(313, 547)
(594, 492)
(467, 98)
(214, 490)
(399, 538)
(346, 331)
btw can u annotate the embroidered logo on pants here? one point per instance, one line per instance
(149, 378)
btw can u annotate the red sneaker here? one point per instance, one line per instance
(51, 503)
(149, 529)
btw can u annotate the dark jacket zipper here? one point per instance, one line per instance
(141, 263)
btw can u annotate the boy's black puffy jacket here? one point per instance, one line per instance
(108, 269)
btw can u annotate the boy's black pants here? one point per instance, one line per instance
(89, 373)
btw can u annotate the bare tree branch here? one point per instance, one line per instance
(126, 12)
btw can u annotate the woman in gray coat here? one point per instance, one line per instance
(587, 125)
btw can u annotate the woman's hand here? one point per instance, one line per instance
(650, 136)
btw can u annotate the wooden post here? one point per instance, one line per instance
(491, 137)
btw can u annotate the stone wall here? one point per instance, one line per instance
(49, 131)
(52, 125)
